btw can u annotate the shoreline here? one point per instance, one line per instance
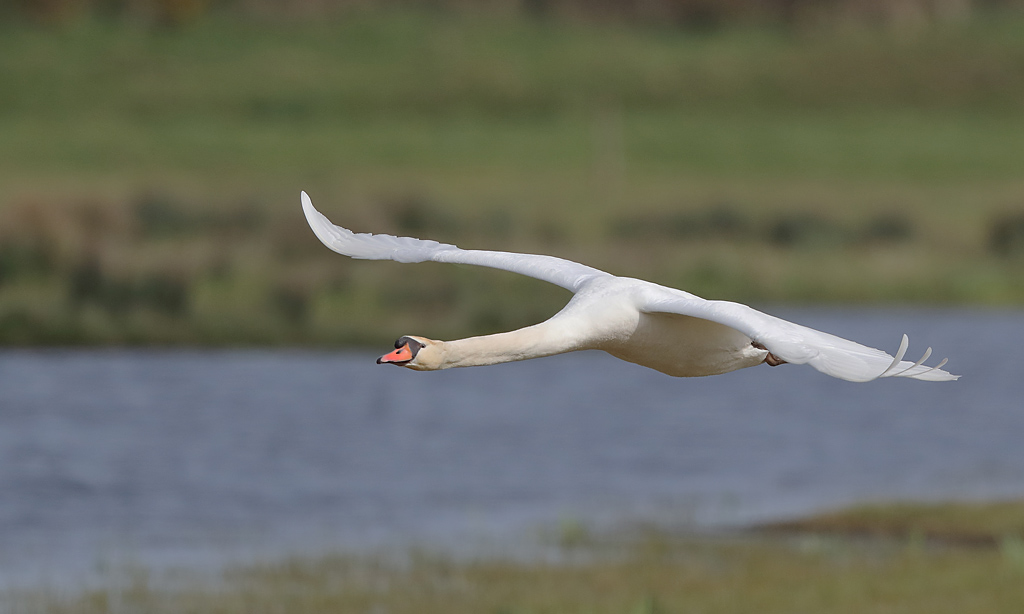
(819, 562)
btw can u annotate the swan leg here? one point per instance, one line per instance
(771, 359)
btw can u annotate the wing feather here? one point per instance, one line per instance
(798, 344)
(565, 273)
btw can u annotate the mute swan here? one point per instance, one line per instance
(662, 328)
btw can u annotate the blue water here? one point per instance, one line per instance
(192, 458)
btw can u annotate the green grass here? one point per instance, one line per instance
(499, 133)
(412, 91)
(804, 572)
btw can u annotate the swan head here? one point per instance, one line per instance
(418, 353)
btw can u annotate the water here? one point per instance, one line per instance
(194, 458)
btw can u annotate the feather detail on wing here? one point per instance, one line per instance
(565, 273)
(798, 344)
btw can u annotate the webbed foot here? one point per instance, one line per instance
(771, 359)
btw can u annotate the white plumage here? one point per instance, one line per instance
(663, 328)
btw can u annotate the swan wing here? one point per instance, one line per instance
(798, 344)
(565, 273)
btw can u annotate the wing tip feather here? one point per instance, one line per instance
(318, 223)
(307, 207)
(914, 371)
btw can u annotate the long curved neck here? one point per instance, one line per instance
(544, 339)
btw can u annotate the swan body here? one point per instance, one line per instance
(666, 329)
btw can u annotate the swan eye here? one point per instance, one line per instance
(414, 346)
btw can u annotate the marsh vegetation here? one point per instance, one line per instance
(834, 564)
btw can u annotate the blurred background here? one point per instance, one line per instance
(791, 151)
(186, 376)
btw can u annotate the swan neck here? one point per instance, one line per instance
(544, 339)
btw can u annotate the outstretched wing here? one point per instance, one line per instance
(798, 344)
(565, 273)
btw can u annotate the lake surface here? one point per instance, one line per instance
(194, 458)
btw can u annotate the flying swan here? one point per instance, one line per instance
(662, 328)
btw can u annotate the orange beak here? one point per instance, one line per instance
(399, 356)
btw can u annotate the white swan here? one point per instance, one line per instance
(662, 328)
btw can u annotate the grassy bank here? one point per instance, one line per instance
(818, 569)
(149, 178)
(968, 524)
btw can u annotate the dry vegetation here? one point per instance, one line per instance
(965, 524)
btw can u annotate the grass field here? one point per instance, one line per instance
(149, 178)
(827, 566)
